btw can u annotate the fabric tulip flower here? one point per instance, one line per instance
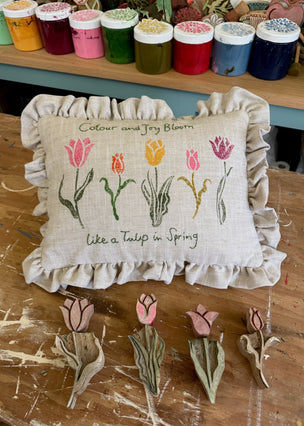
(193, 164)
(118, 167)
(149, 347)
(222, 149)
(77, 314)
(254, 320)
(83, 351)
(157, 198)
(146, 309)
(207, 355)
(78, 154)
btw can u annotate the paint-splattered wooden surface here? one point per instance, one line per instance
(36, 382)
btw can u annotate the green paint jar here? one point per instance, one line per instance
(153, 46)
(118, 35)
(5, 36)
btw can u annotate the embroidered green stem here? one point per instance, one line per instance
(78, 194)
(197, 196)
(113, 197)
(220, 205)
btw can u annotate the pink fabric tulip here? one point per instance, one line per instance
(146, 309)
(254, 320)
(221, 147)
(192, 160)
(202, 320)
(118, 165)
(77, 314)
(79, 151)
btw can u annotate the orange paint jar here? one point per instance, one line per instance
(21, 20)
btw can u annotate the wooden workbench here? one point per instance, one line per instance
(36, 382)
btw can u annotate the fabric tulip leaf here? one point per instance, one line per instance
(80, 191)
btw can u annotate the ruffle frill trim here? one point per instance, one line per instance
(104, 275)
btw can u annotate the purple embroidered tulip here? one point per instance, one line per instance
(192, 160)
(221, 147)
(77, 314)
(254, 320)
(202, 320)
(79, 151)
(146, 309)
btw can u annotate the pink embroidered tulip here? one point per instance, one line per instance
(77, 314)
(192, 160)
(221, 148)
(254, 320)
(146, 309)
(118, 165)
(202, 320)
(79, 151)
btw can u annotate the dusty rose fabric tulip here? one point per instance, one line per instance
(192, 160)
(77, 314)
(202, 320)
(79, 151)
(146, 309)
(254, 320)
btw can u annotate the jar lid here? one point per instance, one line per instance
(193, 32)
(86, 19)
(53, 11)
(4, 3)
(119, 18)
(234, 33)
(280, 30)
(151, 31)
(20, 9)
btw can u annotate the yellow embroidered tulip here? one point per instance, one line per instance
(154, 152)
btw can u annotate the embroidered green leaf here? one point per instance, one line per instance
(79, 192)
(163, 196)
(66, 202)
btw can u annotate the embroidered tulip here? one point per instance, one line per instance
(118, 165)
(79, 151)
(202, 320)
(77, 314)
(221, 148)
(192, 160)
(146, 309)
(154, 152)
(254, 320)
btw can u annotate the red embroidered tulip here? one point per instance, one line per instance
(254, 320)
(118, 165)
(202, 320)
(221, 148)
(79, 151)
(77, 314)
(192, 160)
(146, 308)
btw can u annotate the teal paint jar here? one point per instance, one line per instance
(5, 36)
(118, 35)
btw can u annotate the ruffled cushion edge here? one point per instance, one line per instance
(104, 275)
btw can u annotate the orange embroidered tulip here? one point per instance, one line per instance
(118, 165)
(154, 152)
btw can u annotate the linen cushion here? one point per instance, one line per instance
(134, 194)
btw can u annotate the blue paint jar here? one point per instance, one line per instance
(231, 48)
(273, 48)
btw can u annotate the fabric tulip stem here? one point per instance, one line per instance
(197, 196)
(76, 204)
(73, 397)
(220, 205)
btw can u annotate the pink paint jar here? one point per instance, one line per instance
(53, 24)
(87, 33)
(192, 47)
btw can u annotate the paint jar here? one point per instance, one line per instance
(21, 20)
(153, 46)
(192, 47)
(87, 33)
(53, 23)
(118, 27)
(5, 36)
(231, 48)
(273, 48)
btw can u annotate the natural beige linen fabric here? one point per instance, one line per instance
(138, 217)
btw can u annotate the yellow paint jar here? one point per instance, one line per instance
(21, 20)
